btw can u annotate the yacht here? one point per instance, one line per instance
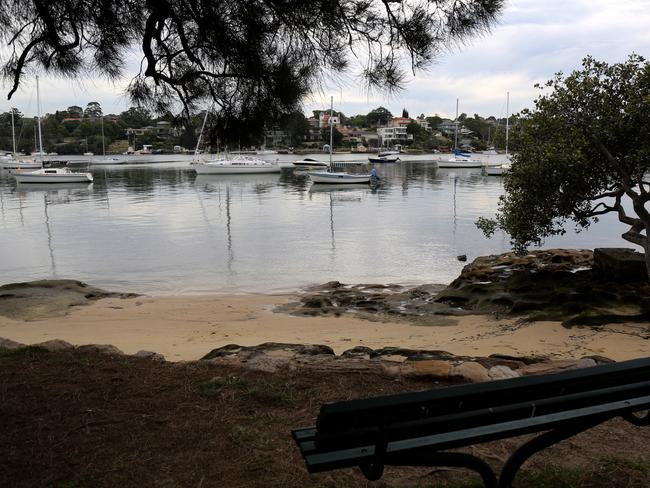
(52, 175)
(235, 165)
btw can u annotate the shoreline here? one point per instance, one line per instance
(187, 327)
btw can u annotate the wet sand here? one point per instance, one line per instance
(188, 327)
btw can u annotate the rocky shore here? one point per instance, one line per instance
(389, 362)
(555, 284)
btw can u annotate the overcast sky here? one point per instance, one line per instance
(533, 40)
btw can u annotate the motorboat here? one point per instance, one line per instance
(236, 165)
(52, 175)
(388, 152)
(310, 163)
(338, 177)
(107, 160)
(392, 158)
(8, 162)
(496, 170)
(459, 162)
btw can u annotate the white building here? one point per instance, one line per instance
(324, 120)
(390, 135)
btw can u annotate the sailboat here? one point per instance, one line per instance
(336, 177)
(10, 161)
(49, 175)
(228, 165)
(505, 167)
(459, 159)
(106, 159)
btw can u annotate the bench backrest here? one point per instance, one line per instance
(358, 422)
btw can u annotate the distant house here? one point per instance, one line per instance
(447, 126)
(162, 130)
(399, 121)
(392, 135)
(324, 120)
(424, 123)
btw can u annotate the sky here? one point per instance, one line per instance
(532, 40)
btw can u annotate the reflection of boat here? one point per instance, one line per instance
(236, 165)
(324, 187)
(48, 187)
(384, 159)
(338, 178)
(52, 175)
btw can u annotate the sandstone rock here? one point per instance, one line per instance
(358, 352)
(101, 349)
(502, 373)
(428, 368)
(620, 264)
(8, 344)
(55, 345)
(275, 348)
(336, 364)
(153, 356)
(549, 367)
(471, 372)
(585, 363)
(268, 364)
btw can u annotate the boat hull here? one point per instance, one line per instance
(384, 159)
(207, 169)
(53, 178)
(338, 178)
(459, 164)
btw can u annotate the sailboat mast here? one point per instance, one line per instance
(456, 131)
(38, 111)
(13, 131)
(103, 145)
(198, 142)
(331, 128)
(507, 119)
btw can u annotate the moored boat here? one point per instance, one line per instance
(52, 175)
(457, 162)
(237, 165)
(338, 177)
(393, 158)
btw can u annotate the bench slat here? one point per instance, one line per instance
(322, 461)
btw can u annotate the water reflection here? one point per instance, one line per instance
(162, 229)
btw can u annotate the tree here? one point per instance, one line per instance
(582, 152)
(378, 116)
(434, 121)
(405, 113)
(249, 58)
(93, 110)
(337, 137)
(359, 121)
(75, 111)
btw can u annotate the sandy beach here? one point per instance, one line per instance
(188, 327)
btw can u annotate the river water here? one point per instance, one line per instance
(159, 228)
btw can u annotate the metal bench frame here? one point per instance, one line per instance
(416, 429)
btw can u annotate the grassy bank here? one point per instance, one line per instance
(75, 419)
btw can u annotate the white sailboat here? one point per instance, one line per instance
(505, 167)
(459, 159)
(106, 159)
(49, 175)
(336, 177)
(10, 161)
(229, 165)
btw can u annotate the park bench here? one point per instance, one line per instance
(417, 429)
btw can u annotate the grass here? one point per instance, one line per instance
(258, 390)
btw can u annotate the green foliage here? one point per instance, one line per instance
(580, 152)
(359, 121)
(337, 137)
(378, 116)
(248, 58)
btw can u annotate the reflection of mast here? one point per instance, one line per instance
(231, 256)
(332, 222)
(49, 236)
(455, 183)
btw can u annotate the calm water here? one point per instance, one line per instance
(160, 229)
